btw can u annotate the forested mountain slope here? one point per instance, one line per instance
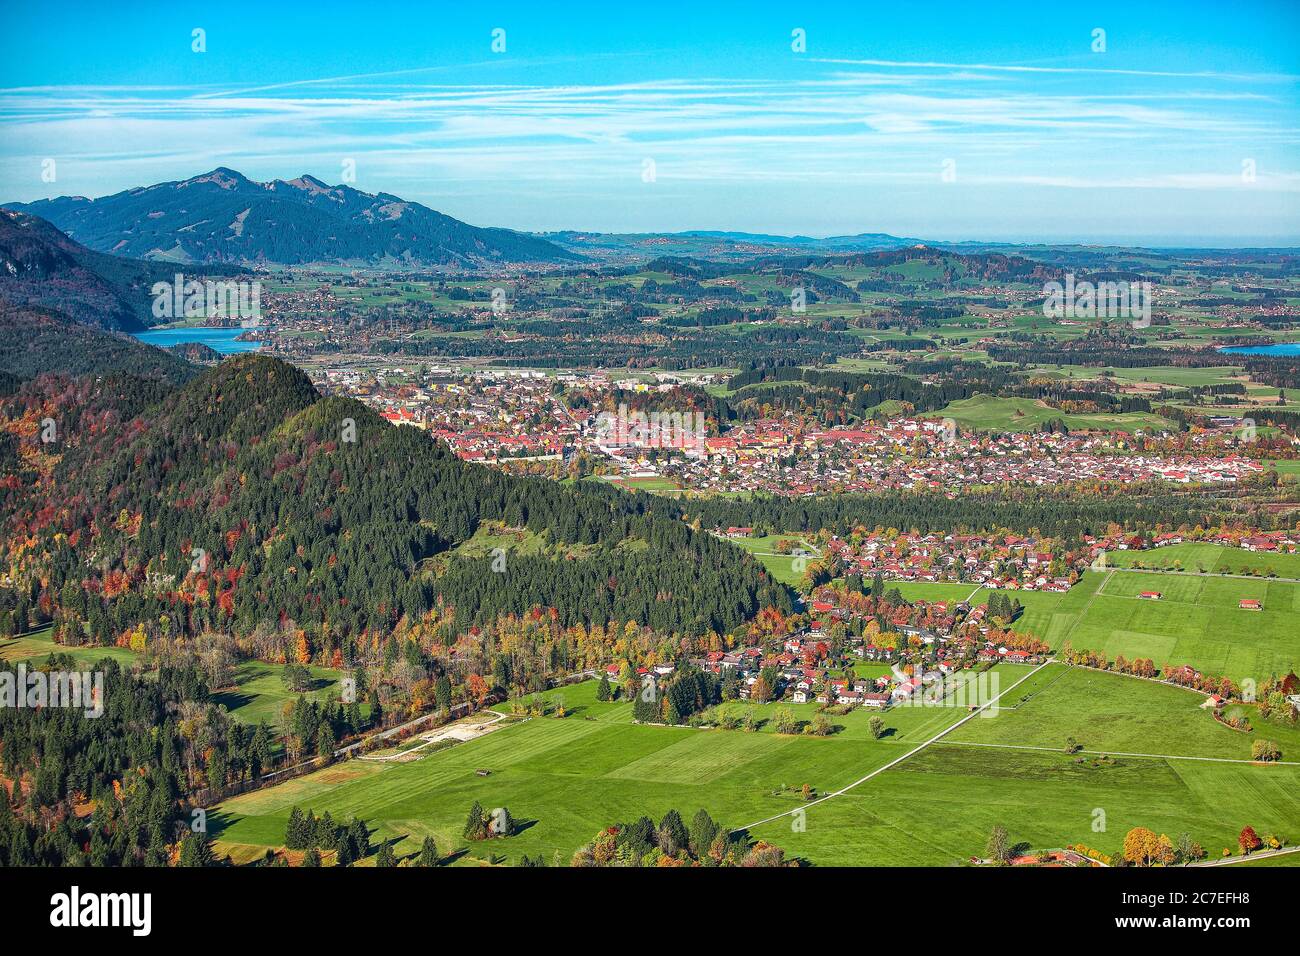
(34, 340)
(243, 499)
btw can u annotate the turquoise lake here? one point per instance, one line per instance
(1282, 348)
(224, 341)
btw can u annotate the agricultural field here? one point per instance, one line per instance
(1196, 621)
(566, 778)
(1108, 713)
(1209, 559)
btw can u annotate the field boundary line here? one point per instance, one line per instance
(897, 760)
(1121, 753)
(1209, 574)
(1083, 611)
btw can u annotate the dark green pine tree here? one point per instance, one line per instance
(602, 689)
(475, 823)
(312, 858)
(442, 692)
(385, 856)
(428, 853)
(260, 757)
(295, 837)
(703, 831)
(325, 742)
(672, 833)
(359, 838)
(195, 850)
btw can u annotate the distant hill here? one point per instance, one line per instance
(726, 246)
(223, 216)
(35, 340)
(41, 266)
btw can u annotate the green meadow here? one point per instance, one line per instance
(1196, 621)
(565, 778)
(257, 692)
(781, 566)
(1209, 559)
(990, 413)
(1114, 713)
(35, 646)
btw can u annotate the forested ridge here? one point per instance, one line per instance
(243, 498)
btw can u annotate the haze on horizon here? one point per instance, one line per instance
(1002, 123)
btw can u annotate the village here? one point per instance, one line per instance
(840, 655)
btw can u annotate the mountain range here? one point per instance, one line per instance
(224, 217)
(614, 247)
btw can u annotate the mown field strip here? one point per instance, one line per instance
(1120, 753)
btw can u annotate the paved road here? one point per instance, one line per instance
(1228, 860)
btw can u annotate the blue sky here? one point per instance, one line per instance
(934, 120)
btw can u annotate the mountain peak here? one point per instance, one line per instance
(224, 217)
(222, 176)
(310, 184)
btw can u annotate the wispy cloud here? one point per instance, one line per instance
(860, 126)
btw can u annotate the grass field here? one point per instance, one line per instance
(1209, 558)
(258, 692)
(1197, 621)
(989, 413)
(939, 806)
(781, 566)
(35, 646)
(1111, 712)
(566, 778)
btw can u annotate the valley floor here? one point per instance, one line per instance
(566, 778)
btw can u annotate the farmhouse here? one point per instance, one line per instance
(1149, 596)
(1250, 604)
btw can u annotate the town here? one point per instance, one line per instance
(522, 416)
